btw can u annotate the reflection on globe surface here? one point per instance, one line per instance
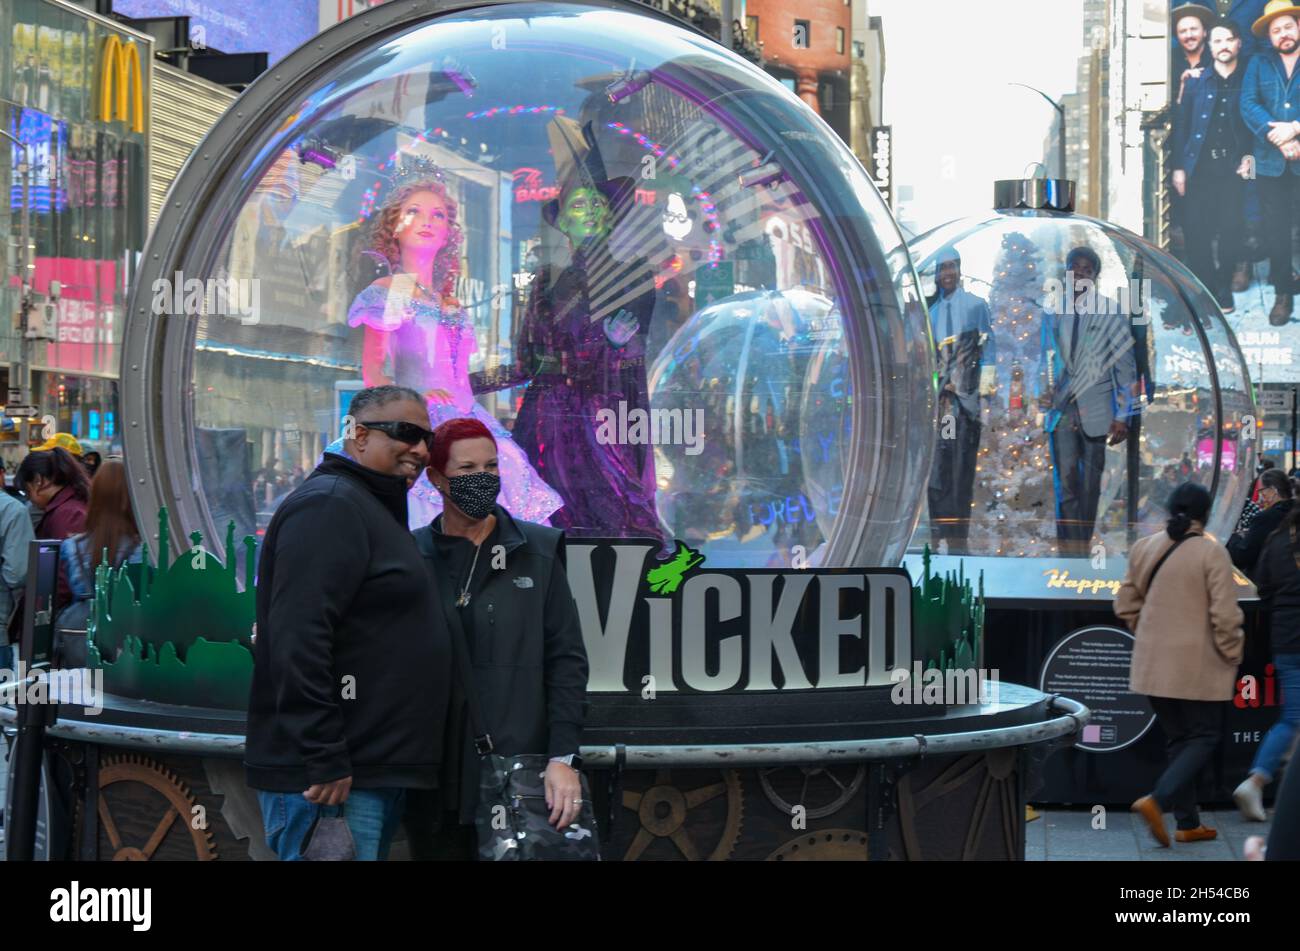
(770, 368)
(666, 288)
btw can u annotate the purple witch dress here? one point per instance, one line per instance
(576, 372)
(429, 349)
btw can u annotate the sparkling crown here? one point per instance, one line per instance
(414, 168)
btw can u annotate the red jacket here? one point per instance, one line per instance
(64, 516)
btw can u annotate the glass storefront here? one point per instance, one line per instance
(84, 201)
(86, 407)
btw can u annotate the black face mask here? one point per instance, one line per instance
(475, 494)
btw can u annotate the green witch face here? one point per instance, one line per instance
(584, 215)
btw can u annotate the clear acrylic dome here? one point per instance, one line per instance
(663, 283)
(1155, 355)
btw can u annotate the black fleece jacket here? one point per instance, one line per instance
(1277, 579)
(352, 658)
(1244, 548)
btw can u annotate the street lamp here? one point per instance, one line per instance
(18, 371)
(1060, 114)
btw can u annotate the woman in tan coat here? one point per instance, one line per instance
(1180, 601)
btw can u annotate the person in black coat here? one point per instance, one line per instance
(503, 589)
(1277, 578)
(1275, 501)
(351, 657)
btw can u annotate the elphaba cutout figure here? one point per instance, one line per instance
(582, 344)
(418, 335)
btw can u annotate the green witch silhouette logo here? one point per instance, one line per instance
(668, 577)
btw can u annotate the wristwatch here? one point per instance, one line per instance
(573, 760)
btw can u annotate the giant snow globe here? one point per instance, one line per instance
(1083, 374)
(672, 295)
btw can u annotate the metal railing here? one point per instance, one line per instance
(1070, 718)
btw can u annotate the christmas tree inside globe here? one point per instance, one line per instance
(1083, 374)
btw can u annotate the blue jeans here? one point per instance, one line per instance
(1278, 740)
(372, 816)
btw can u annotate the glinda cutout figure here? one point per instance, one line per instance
(418, 335)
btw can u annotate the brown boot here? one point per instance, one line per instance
(1240, 278)
(1280, 315)
(1149, 809)
(1199, 834)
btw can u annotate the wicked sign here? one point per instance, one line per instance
(677, 625)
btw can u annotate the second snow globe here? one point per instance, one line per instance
(1083, 374)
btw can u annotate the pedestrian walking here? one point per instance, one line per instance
(1179, 600)
(15, 541)
(1274, 502)
(57, 485)
(111, 530)
(1277, 579)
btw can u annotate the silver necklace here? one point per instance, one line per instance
(464, 591)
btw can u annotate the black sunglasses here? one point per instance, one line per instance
(408, 433)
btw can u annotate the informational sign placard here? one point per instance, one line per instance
(1276, 401)
(1091, 665)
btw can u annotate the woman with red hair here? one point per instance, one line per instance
(504, 591)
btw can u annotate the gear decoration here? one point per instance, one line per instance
(132, 769)
(664, 812)
(997, 793)
(828, 845)
(824, 780)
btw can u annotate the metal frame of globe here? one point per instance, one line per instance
(157, 370)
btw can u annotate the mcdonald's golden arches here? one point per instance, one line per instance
(119, 73)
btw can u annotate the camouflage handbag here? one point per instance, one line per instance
(513, 820)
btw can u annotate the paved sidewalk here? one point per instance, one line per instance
(1067, 835)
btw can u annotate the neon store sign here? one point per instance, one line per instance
(528, 186)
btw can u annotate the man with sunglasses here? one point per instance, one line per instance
(352, 657)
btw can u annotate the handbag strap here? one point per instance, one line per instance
(465, 671)
(1165, 557)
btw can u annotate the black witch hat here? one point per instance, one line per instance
(579, 164)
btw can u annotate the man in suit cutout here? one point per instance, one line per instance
(1088, 391)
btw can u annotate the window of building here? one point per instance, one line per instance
(839, 39)
(802, 35)
(751, 28)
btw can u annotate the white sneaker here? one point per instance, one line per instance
(1250, 800)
